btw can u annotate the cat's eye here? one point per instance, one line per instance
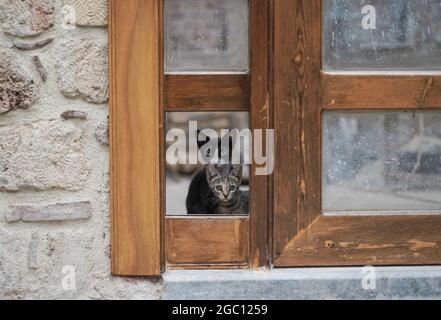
(232, 188)
(219, 188)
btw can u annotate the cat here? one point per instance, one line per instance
(224, 181)
(216, 188)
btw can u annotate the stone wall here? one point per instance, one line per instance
(54, 175)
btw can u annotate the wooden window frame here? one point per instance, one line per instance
(286, 227)
(225, 242)
(144, 240)
(302, 235)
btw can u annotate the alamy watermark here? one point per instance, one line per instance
(227, 146)
(369, 21)
(69, 279)
(369, 278)
(69, 14)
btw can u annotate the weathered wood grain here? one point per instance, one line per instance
(261, 118)
(205, 241)
(366, 240)
(217, 92)
(297, 56)
(134, 136)
(381, 92)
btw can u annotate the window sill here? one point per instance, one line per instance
(303, 283)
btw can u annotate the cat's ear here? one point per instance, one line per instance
(212, 173)
(237, 172)
(201, 138)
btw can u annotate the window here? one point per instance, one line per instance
(364, 133)
(382, 35)
(381, 162)
(353, 94)
(172, 62)
(216, 75)
(206, 36)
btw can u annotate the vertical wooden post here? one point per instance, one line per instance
(134, 137)
(261, 48)
(297, 104)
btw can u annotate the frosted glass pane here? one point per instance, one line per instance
(382, 35)
(206, 35)
(381, 161)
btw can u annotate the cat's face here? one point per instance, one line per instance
(224, 180)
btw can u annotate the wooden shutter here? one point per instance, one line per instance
(134, 137)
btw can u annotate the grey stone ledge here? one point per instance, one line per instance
(303, 283)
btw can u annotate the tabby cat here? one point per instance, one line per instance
(216, 188)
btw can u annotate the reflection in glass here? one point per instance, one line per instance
(381, 161)
(388, 35)
(179, 176)
(206, 35)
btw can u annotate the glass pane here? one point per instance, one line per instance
(381, 35)
(206, 35)
(381, 161)
(189, 189)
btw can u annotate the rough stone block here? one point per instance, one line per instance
(51, 212)
(42, 155)
(74, 114)
(90, 12)
(82, 70)
(33, 251)
(13, 215)
(127, 288)
(40, 68)
(17, 89)
(102, 133)
(32, 45)
(26, 18)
